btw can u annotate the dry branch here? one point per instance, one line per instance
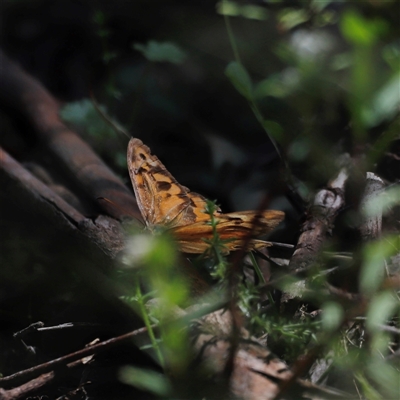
(102, 236)
(22, 92)
(326, 205)
(33, 385)
(69, 358)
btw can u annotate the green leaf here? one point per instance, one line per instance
(144, 379)
(385, 104)
(384, 376)
(240, 78)
(384, 202)
(254, 12)
(332, 315)
(274, 129)
(272, 86)
(382, 307)
(229, 8)
(372, 272)
(291, 17)
(361, 31)
(232, 9)
(161, 52)
(368, 390)
(391, 54)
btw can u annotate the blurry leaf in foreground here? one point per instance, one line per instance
(386, 377)
(254, 12)
(385, 103)
(362, 31)
(291, 17)
(240, 78)
(341, 61)
(272, 86)
(279, 85)
(381, 309)
(383, 202)
(373, 271)
(391, 54)
(332, 316)
(230, 8)
(233, 9)
(147, 380)
(157, 256)
(274, 129)
(368, 390)
(161, 51)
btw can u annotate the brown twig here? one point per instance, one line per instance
(77, 355)
(33, 385)
(102, 346)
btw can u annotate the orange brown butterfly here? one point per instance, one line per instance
(164, 202)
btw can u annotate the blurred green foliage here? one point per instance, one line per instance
(161, 52)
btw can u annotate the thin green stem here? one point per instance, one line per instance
(215, 233)
(260, 119)
(257, 268)
(148, 325)
(231, 37)
(253, 104)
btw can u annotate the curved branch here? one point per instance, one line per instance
(21, 91)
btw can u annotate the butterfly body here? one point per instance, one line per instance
(164, 202)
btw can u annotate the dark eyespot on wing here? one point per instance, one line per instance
(162, 185)
(142, 156)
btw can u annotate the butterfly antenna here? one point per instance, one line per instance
(114, 124)
(284, 245)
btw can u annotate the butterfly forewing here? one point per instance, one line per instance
(161, 199)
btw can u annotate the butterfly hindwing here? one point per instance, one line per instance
(233, 227)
